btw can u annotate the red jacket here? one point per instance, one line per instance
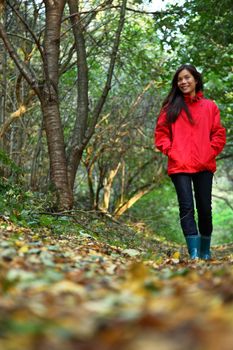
(192, 148)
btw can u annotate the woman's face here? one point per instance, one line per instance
(186, 83)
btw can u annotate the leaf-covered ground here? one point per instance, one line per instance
(73, 290)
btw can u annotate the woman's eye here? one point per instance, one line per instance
(185, 78)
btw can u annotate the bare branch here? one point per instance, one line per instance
(102, 7)
(142, 12)
(107, 87)
(225, 200)
(20, 37)
(28, 29)
(23, 108)
(25, 70)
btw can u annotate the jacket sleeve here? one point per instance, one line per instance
(162, 134)
(218, 132)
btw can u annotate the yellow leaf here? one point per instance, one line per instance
(176, 255)
(66, 286)
(138, 271)
(19, 243)
(23, 249)
(137, 275)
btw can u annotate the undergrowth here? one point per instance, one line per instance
(31, 210)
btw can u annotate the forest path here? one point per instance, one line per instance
(69, 291)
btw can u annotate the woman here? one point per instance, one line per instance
(190, 133)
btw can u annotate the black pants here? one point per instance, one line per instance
(202, 185)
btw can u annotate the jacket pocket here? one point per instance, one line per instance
(175, 157)
(208, 157)
(212, 154)
(213, 151)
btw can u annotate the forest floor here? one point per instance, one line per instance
(110, 287)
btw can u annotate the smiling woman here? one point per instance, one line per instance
(190, 133)
(186, 83)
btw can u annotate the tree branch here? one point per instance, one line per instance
(28, 29)
(225, 200)
(140, 192)
(99, 106)
(27, 73)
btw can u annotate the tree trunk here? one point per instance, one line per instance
(89, 169)
(48, 95)
(82, 133)
(4, 83)
(56, 149)
(108, 181)
(82, 92)
(3, 71)
(50, 105)
(34, 165)
(128, 204)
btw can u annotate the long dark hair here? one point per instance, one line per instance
(174, 103)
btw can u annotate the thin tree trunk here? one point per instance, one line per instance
(128, 204)
(99, 188)
(3, 89)
(34, 164)
(122, 183)
(3, 83)
(82, 134)
(107, 87)
(89, 168)
(91, 187)
(108, 181)
(82, 89)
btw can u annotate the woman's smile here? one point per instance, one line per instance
(187, 83)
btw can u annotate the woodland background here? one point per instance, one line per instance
(82, 83)
(91, 250)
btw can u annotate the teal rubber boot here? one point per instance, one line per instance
(205, 248)
(193, 244)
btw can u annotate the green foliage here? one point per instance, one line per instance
(7, 162)
(12, 197)
(159, 211)
(30, 210)
(223, 222)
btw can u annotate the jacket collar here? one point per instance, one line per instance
(191, 99)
